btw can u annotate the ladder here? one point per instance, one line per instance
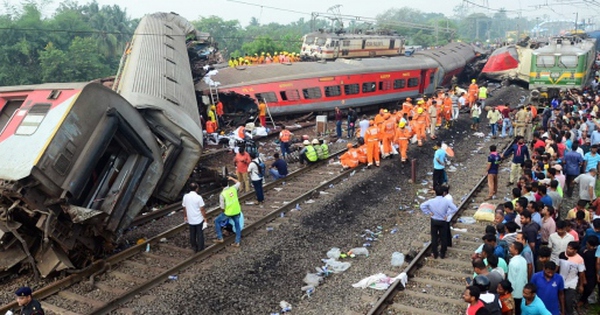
(214, 94)
(269, 118)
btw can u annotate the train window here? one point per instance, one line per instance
(321, 41)
(334, 90)
(350, 89)
(7, 112)
(431, 78)
(567, 62)
(289, 95)
(269, 97)
(545, 61)
(385, 85)
(399, 84)
(33, 119)
(346, 43)
(309, 40)
(368, 87)
(311, 93)
(412, 82)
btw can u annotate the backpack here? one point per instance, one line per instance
(261, 168)
(494, 308)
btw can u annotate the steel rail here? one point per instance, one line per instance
(99, 265)
(389, 295)
(205, 254)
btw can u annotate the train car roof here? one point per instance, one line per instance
(257, 74)
(45, 86)
(576, 49)
(353, 36)
(157, 73)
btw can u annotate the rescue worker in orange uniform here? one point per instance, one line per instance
(362, 151)
(350, 158)
(421, 122)
(372, 141)
(439, 106)
(404, 135)
(388, 131)
(211, 126)
(447, 111)
(262, 113)
(472, 93)
(379, 117)
(407, 107)
(220, 113)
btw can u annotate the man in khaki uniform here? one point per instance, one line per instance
(432, 111)
(521, 122)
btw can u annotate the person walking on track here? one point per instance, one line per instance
(229, 202)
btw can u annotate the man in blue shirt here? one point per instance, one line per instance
(592, 158)
(492, 172)
(550, 288)
(439, 165)
(278, 168)
(521, 153)
(531, 303)
(440, 210)
(573, 162)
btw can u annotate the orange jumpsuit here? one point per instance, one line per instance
(378, 119)
(350, 158)
(447, 109)
(262, 113)
(389, 130)
(372, 141)
(439, 106)
(472, 94)
(407, 108)
(362, 154)
(404, 135)
(211, 126)
(421, 122)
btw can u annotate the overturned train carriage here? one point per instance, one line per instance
(77, 164)
(156, 79)
(79, 161)
(319, 87)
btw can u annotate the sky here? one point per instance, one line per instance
(289, 11)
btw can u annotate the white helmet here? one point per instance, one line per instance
(306, 142)
(315, 141)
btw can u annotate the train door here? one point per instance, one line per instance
(392, 44)
(336, 48)
(423, 82)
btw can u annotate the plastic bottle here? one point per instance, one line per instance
(397, 259)
(360, 251)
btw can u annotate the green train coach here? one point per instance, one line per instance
(565, 63)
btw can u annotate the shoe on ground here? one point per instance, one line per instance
(218, 241)
(235, 244)
(510, 184)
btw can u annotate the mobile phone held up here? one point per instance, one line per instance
(469, 280)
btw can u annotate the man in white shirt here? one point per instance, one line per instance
(559, 240)
(364, 125)
(194, 214)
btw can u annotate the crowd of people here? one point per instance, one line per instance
(540, 257)
(264, 58)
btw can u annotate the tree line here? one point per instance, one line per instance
(82, 42)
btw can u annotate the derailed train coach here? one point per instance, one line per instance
(79, 161)
(320, 87)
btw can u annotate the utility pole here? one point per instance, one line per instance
(576, 19)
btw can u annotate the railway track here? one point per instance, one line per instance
(435, 286)
(105, 285)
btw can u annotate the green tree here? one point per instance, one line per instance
(53, 63)
(84, 61)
